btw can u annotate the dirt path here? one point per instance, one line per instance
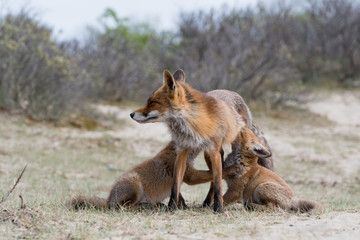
(342, 108)
(333, 225)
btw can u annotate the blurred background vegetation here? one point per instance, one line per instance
(268, 55)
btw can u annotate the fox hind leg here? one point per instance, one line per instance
(271, 197)
(216, 167)
(124, 194)
(182, 203)
(210, 196)
(259, 207)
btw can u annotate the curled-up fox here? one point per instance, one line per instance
(258, 187)
(147, 183)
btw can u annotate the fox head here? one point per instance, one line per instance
(168, 96)
(246, 149)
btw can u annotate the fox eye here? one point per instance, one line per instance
(151, 103)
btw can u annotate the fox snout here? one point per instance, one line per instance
(145, 117)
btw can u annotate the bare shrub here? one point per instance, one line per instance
(234, 49)
(36, 77)
(328, 41)
(272, 52)
(269, 53)
(122, 58)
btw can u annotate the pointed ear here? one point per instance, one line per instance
(259, 150)
(169, 81)
(179, 75)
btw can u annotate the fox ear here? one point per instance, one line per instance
(179, 75)
(169, 80)
(259, 150)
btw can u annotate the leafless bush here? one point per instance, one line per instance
(234, 49)
(123, 60)
(328, 40)
(268, 53)
(271, 52)
(36, 77)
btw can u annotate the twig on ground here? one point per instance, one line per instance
(12, 189)
(22, 205)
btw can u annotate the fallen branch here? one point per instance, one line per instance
(12, 189)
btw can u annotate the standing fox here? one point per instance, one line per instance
(149, 182)
(258, 187)
(197, 121)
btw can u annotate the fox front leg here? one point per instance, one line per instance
(179, 172)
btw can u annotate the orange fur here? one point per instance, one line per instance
(197, 121)
(258, 187)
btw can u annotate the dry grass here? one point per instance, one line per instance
(317, 157)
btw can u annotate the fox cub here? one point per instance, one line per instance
(258, 187)
(149, 183)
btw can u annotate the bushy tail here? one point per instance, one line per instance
(304, 205)
(83, 202)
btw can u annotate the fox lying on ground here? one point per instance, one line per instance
(197, 121)
(149, 182)
(255, 185)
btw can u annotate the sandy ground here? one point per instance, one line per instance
(342, 108)
(141, 136)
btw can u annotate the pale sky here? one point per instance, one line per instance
(68, 18)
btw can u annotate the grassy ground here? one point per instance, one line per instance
(316, 156)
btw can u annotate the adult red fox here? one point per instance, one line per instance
(197, 121)
(149, 182)
(258, 187)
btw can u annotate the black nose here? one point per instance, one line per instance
(132, 115)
